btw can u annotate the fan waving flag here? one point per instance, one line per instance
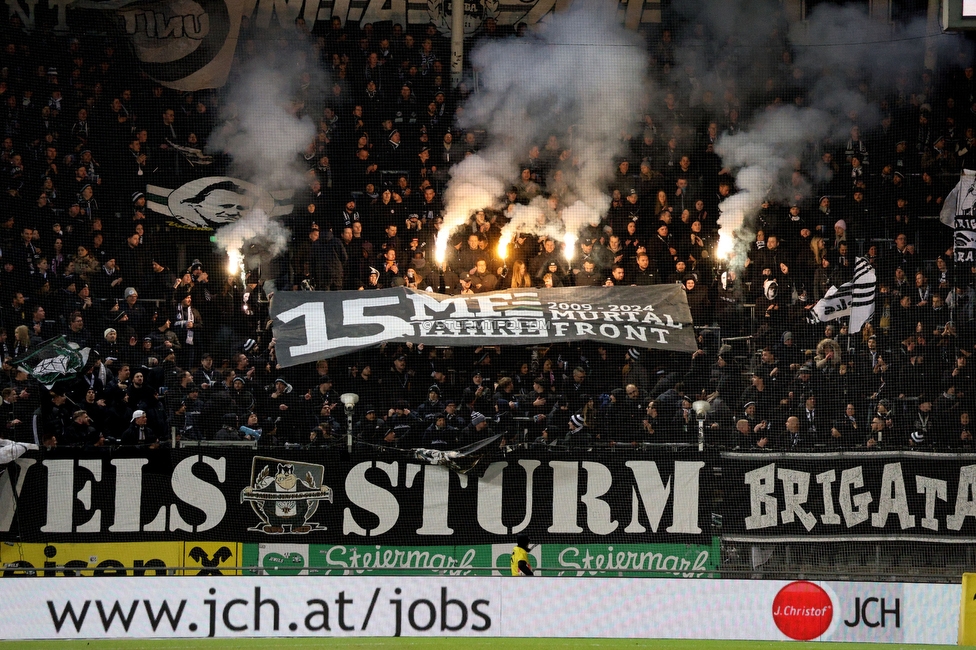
(53, 361)
(854, 298)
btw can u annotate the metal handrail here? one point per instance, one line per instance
(148, 569)
(569, 572)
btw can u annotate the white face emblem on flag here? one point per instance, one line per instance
(206, 203)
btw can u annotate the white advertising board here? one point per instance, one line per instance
(167, 607)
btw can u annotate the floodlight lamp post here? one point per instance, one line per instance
(349, 401)
(701, 409)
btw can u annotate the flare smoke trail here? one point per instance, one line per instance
(265, 127)
(844, 61)
(255, 234)
(580, 74)
(763, 159)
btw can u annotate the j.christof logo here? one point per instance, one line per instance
(803, 610)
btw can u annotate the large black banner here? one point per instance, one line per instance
(317, 325)
(849, 496)
(326, 497)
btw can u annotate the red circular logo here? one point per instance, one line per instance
(802, 610)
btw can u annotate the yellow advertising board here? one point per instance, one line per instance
(212, 558)
(101, 559)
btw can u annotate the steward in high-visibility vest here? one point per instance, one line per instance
(520, 557)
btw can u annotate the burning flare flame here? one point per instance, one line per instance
(235, 264)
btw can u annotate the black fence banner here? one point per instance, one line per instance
(312, 325)
(849, 496)
(326, 497)
(964, 239)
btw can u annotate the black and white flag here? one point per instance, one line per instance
(854, 298)
(960, 200)
(310, 325)
(181, 45)
(964, 240)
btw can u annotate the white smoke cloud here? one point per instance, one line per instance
(581, 76)
(762, 160)
(255, 234)
(264, 132)
(265, 129)
(845, 62)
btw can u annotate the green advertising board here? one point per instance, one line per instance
(577, 560)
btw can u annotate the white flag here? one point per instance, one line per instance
(854, 298)
(959, 201)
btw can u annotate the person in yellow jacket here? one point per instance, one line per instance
(520, 557)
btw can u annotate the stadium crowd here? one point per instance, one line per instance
(188, 351)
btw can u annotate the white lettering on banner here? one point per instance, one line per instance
(26, 18)
(654, 495)
(598, 482)
(189, 488)
(565, 487)
(652, 491)
(933, 489)
(8, 500)
(198, 493)
(85, 495)
(684, 508)
(490, 498)
(764, 511)
(965, 498)
(75, 488)
(647, 318)
(893, 498)
(61, 495)
(795, 488)
(250, 606)
(437, 485)
(318, 330)
(826, 479)
(266, 13)
(372, 498)
(128, 489)
(762, 503)
(458, 307)
(16, 8)
(353, 313)
(855, 512)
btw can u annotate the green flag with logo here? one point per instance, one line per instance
(53, 361)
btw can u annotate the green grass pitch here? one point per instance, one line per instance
(377, 643)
